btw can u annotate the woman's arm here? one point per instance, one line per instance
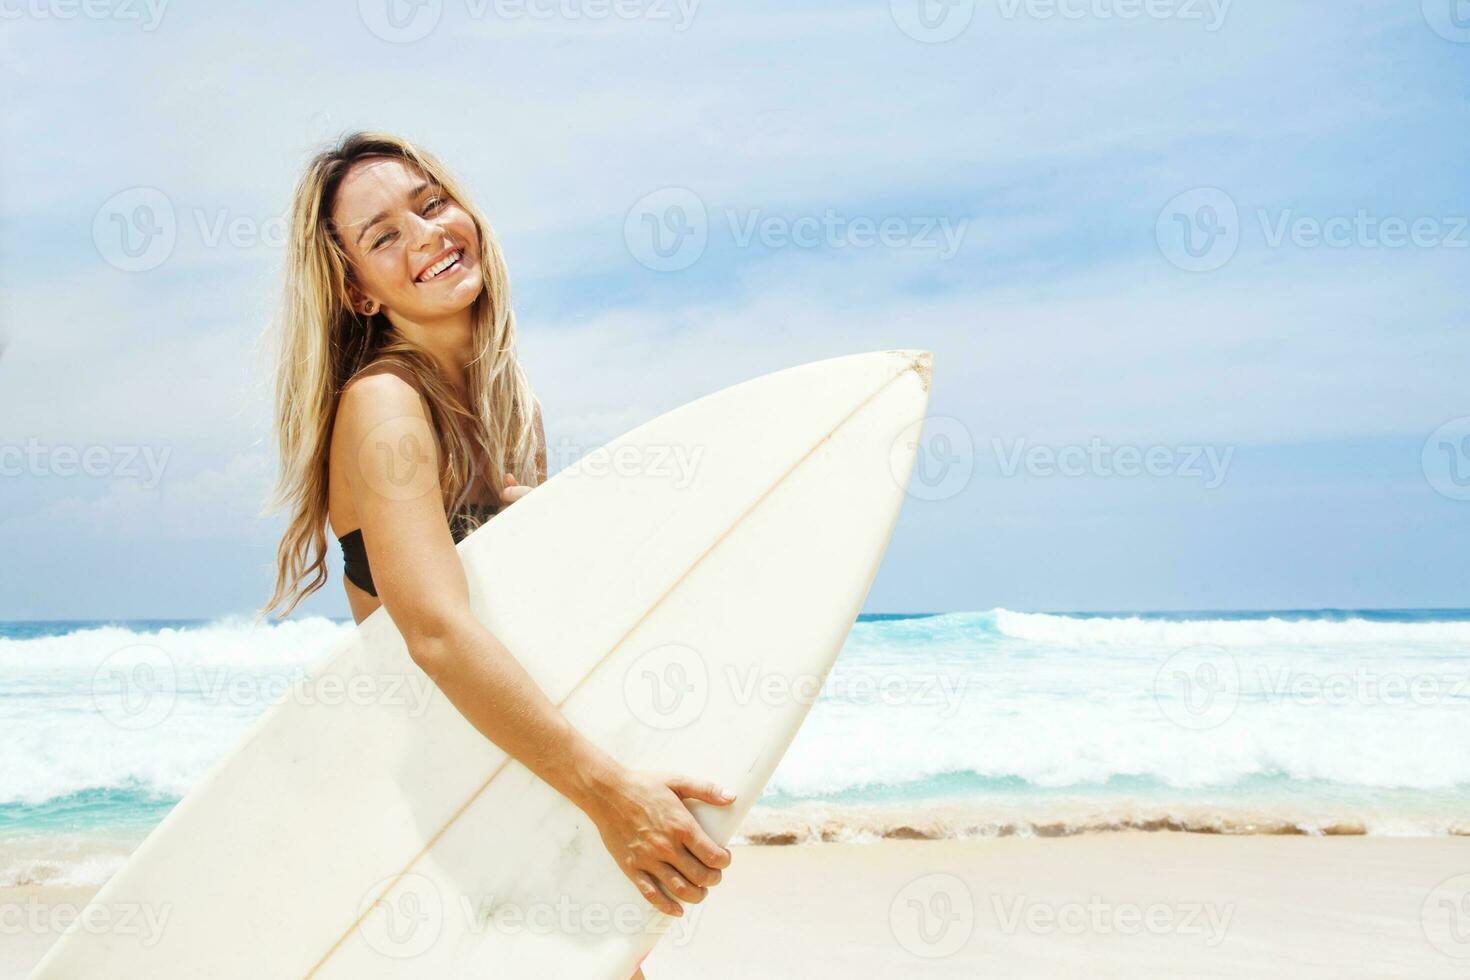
(393, 479)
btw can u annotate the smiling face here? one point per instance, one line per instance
(414, 251)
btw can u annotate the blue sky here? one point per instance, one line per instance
(1311, 332)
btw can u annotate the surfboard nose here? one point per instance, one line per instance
(920, 361)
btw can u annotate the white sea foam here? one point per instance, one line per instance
(961, 706)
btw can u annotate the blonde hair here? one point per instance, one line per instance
(324, 343)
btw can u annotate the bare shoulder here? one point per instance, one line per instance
(381, 420)
(377, 393)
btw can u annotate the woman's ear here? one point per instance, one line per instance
(360, 302)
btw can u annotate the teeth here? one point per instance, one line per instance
(439, 266)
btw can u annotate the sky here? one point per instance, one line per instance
(1193, 272)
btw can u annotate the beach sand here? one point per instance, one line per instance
(1011, 908)
(1131, 905)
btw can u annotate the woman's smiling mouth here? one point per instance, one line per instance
(441, 267)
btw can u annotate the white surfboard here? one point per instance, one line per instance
(681, 593)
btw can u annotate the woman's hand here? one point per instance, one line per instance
(512, 491)
(654, 838)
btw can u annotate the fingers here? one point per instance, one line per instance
(700, 789)
(513, 491)
(707, 851)
(674, 883)
(695, 870)
(654, 895)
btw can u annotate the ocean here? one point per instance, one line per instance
(931, 725)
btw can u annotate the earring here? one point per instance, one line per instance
(372, 308)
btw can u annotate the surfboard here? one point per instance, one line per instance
(681, 593)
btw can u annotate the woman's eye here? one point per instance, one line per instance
(382, 239)
(434, 203)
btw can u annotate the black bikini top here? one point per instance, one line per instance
(354, 551)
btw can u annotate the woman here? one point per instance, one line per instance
(401, 411)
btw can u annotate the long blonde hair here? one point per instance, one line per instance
(324, 343)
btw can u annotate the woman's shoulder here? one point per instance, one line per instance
(380, 394)
(383, 386)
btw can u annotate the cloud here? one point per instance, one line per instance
(220, 503)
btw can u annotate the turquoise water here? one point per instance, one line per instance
(1327, 714)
